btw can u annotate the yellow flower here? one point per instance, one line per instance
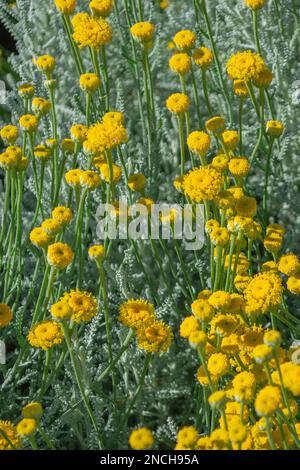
(89, 82)
(61, 310)
(65, 6)
(262, 353)
(197, 338)
(177, 183)
(185, 39)
(26, 90)
(52, 226)
(219, 236)
(220, 162)
(32, 410)
(68, 145)
(26, 427)
(239, 167)
(105, 172)
(220, 300)
(203, 57)
(141, 439)
(202, 184)
(78, 132)
(45, 63)
(42, 152)
(39, 237)
(28, 122)
(223, 324)
(62, 214)
(255, 4)
(251, 337)
(8, 429)
(83, 305)
(230, 139)
(244, 65)
(188, 326)
(101, 7)
(272, 338)
(244, 385)
(237, 433)
(114, 117)
(263, 293)
(143, 31)
(267, 401)
(202, 378)
(96, 252)
(40, 106)
(246, 206)
(263, 78)
(217, 399)
(6, 315)
(90, 179)
(219, 439)
(240, 88)
(136, 181)
(156, 337)
(275, 128)
(45, 335)
(135, 313)
(104, 136)
(59, 255)
(203, 443)
(202, 309)
(180, 63)
(187, 436)
(269, 266)
(91, 31)
(198, 142)
(289, 264)
(11, 158)
(218, 364)
(241, 281)
(293, 284)
(215, 124)
(9, 133)
(211, 225)
(273, 241)
(178, 103)
(73, 177)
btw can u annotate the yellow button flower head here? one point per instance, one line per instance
(141, 439)
(11, 157)
(263, 293)
(230, 139)
(244, 385)
(202, 378)
(240, 88)
(101, 7)
(202, 309)
(90, 179)
(238, 433)
(114, 117)
(289, 264)
(239, 167)
(156, 337)
(269, 266)
(91, 31)
(8, 429)
(220, 162)
(33, 410)
(73, 177)
(62, 214)
(28, 122)
(203, 443)
(293, 284)
(220, 300)
(78, 132)
(202, 184)
(39, 237)
(219, 236)
(40, 106)
(65, 6)
(6, 315)
(9, 134)
(104, 136)
(273, 241)
(217, 399)
(185, 39)
(263, 78)
(215, 124)
(223, 324)
(42, 152)
(83, 305)
(134, 313)
(262, 353)
(26, 90)
(272, 338)
(45, 63)
(187, 436)
(68, 145)
(218, 364)
(45, 335)
(105, 173)
(199, 142)
(59, 255)
(180, 63)
(245, 65)
(255, 4)
(178, 183)
(89, 82)
(197, 339)
(246, 206)
(203, 57)
(241, 282)
(188, 326)
(52, 226)
(96, 252)
(275, 128)
(61, 310)
(211, 225)
(268, 401)
(136, 182)
(220, 439)
(143, 31)
(26, 427)
(178, 103)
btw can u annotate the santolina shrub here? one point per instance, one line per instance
(140, 343)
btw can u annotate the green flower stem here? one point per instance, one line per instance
(171, 265)
(182, 265)
(54, 181)
(253, 98)
(255, 30)
(241, 104)
(40, 194)
(106, 78)
(137, 391)
(45, 437)
(181, 143)
(75, 50)
(238, 250)
(269, 433)
(33, 443)
(267, 175)
(230, 256)
(107, 321)
(80, 384)
(141, 264)
(216, 57)
(111, 176)
(205, 91)
(196, 96)
(88, 99)
(96, 66)
(218, 268)
(201, 354)
(150, 123)
(78, 235)
(45, 372)
(41, 296)
(8, 179)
